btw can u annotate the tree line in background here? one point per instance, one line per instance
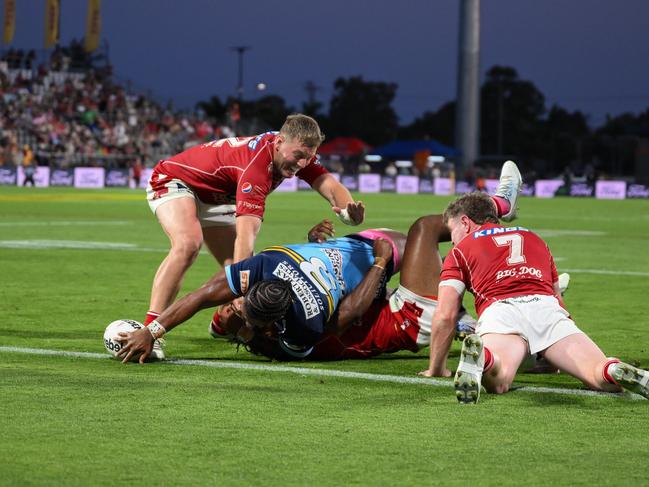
(515, 122)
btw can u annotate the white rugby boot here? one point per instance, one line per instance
(631, 378)
(509, 188)
(468, 376)
(158, 352)
(564, 282)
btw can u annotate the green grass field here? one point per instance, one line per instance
(72, 261)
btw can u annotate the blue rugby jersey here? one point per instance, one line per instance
(321, 274)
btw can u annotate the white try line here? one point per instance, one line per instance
(606, 272)
(64, 223)
(304, 371)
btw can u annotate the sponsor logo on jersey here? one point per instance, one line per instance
(252, 145)
(246, 187)
(336, 259)
(301, 288)
(522, 272)
(250, 205)
(244, 281)
(496, 231)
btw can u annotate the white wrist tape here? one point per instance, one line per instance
(156, 329)
(344, 217)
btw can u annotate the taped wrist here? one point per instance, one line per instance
(156, 329)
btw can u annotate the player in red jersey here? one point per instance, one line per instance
(512, 275)
(216, 192)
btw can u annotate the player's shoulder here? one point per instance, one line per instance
(261, 141)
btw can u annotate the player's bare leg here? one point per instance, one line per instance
(220, 242)
(579, 356)
(178, 219)
(507, 353)
(421, 261)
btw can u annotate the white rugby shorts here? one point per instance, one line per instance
(538, 319)
(416, 307)
(208, 215)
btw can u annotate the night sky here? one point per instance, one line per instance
(584, 55)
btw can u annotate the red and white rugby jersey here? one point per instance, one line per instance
(498, 262)
(237, 170)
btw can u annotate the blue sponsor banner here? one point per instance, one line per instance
(8, 175)
(527, 189)
(426, 186)
(388, 184)
(462, 187)
(637, 191)
(349, 182)
(581, 189)
(117, 178)
(61, 177)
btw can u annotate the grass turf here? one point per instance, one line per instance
(78, 421)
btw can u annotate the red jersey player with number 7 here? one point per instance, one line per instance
(512, 275)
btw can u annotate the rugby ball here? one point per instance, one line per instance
(112, 330)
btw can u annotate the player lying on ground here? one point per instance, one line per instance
(216, 193)
(364, 325)
(295, 288)
(512, 275)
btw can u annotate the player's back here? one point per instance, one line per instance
(499, 262)
(217, 165)
(347, 259)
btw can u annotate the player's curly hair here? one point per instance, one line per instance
(477, 206)
(267, 301)
(303, 129)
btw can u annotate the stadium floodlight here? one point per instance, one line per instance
(241, 51)
(373, 158)
(403, 163)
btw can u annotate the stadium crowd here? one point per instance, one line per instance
(68, 113)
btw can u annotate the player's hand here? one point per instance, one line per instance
(353, 214)
(382, 248)
(139, 342)
(321, 232)
(430, 373)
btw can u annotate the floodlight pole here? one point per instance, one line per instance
(240, 50)
(467, 110)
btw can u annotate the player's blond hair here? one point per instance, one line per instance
(304, 129)
(477, 206)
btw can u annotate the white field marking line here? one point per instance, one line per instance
(74, 244)
(568, 233)
(605, 272)
(316, 372)
(64, 223)
(79, 245)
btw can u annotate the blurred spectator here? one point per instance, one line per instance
(29, 165)
(391, 170)
(137, 172)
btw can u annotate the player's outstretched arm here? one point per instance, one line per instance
(247, 229)
(355, 304)
(442, 332)
(214, 292)
(342, 203)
